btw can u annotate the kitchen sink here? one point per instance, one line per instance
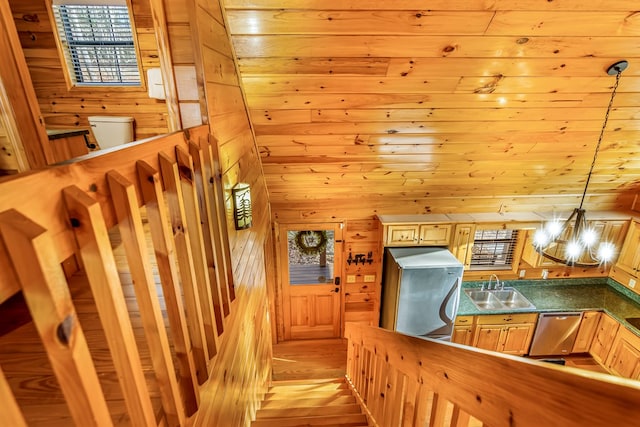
(498, 299)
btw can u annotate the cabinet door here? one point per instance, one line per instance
(462, 334)
(629, 258)
(518, 339)
(402, 235)
(488, 337)
(624, 359)
(603, 339)
(463, 243)
(435, 234)
(586, 332)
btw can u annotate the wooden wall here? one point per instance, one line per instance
(210, 51)
(69, 108)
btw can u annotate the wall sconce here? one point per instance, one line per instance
(242, 205)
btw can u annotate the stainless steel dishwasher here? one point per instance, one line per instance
(555, 333)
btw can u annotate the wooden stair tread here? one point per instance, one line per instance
(308, 411)
(308, 387)
(300, 403)
(329, 420)
(306, 394)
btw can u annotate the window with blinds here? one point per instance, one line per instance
(98, 43)
(493, 249)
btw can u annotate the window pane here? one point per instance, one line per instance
(493, 249)
(311, 255)
(98, 44)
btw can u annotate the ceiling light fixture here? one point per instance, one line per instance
(574, 242)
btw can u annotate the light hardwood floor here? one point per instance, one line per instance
(309, 359)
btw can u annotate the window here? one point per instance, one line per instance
(97, 42)
(493, 249)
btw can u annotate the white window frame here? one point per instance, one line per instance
(82, 59)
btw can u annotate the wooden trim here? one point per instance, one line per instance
(95, 251)
(126, 204)
(166, 64)
(47, 295)
(22, 106)
(164, 249)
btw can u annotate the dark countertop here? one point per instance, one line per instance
(65, 133)
(566, 295)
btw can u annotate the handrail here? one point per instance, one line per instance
(67, 212)
(408, 381)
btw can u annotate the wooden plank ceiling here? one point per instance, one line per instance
(416, 106)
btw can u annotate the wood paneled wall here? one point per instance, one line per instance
(8, 160)
(69, 108)
(241, 378)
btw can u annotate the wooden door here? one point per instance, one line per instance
(310, 262)
(605, 334)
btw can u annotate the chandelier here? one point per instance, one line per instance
(574, 242)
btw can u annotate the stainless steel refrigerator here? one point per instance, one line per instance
(421, 291)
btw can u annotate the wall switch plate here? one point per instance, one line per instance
(369, 278)
(351, 278)
(522, 273)
(632, 283)
(545, 274)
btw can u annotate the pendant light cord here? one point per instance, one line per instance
(604, 125)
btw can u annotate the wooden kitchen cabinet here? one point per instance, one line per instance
(511, 333)
(463, 330)
(418, 234)
(629, 258)
(624, 357)
(586, 332)
(462, 243)
(603, 339)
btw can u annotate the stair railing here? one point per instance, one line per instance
(161, 194)
(408, 381)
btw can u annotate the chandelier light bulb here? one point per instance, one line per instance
(573, 250)
(606, 252)
(588, 237)
(540, 238)
(553, 229)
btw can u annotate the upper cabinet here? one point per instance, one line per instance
(627, 268)
(629, 259)
(415, 231)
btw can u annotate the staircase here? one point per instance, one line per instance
(328, 402)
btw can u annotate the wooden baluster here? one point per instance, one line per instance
(47, 295)
(95, 251)
(410, 403)
(459, 418)
(194, 229)
(200, 325)
(221, 247)
(438, 411)
(424, 400)
(10, 415)
(125, 202)
(212, 158)
(149, 181)
(395, 397)
(216, 276)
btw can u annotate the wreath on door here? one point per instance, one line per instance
(311, 242)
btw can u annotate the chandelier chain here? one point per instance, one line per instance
(604, 125)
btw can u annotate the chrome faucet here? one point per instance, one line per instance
(497, 285)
